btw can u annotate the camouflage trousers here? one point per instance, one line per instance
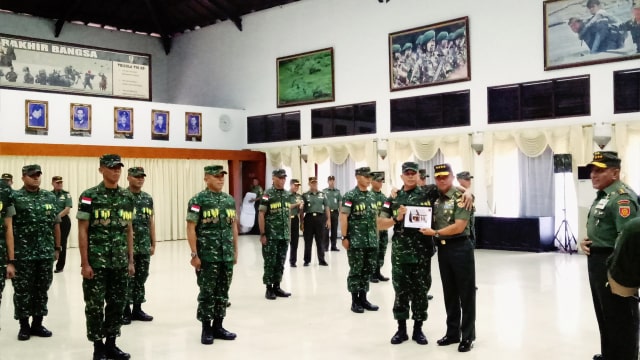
(107, 286)
(411, 284)
(362, 261)
(383, 241)
(214, 279)
(3, 273)
(31, 283)
(135, 286)
(274, 254)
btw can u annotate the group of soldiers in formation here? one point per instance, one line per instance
(433, 58)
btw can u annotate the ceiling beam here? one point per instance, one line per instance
(65, 17)
(164, 37)
(227, 13)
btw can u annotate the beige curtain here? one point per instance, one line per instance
(171, 183)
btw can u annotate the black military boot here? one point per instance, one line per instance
(138, 314)
(25, 330)
(381, 277)
(37, 329)
(356, 307)
(221, 333)
(112, 351)
(126, 315)
(418, 335)
(98, 350)
(279, 292)
(365, 303)
(270, 294)
(373, 278)
(401, 334)
(206, 337)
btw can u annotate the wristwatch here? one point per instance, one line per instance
(11, 262)
(437, 234)
(58, 248)
(345, 237)
(395, 220)
(194, 254)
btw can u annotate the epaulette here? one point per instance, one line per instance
(622, 191)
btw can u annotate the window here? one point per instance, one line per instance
(430, 111)
(346, 120)
(626, 91)
(273, 128)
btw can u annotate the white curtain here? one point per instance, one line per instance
(536, 184)
(171, 183)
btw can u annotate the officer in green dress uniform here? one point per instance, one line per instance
(296, 218)
(335, 199)
(451, 230)
(614, 206)
(316, 221)
(7, 179)
(274, 222)
(7, 210)
(144, 245)
(358, 222)
(411, 254)
(105, 240)
(213, 238)
(377, 179)
(64, 204)
(36, 231)
(422, 177)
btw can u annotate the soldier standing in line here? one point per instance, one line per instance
(213, 238)
(36, 231)
(316, 221)
(144, 245)
(105, 240)
(464, 179)
(296, 218)
(377, 179)
(358, 222)
(7, 179)
(335, 199)
(411, 254)
(7, 211)
(450, 229)
(274, 223)
(614, 206)
(422, 178)
(64, 204)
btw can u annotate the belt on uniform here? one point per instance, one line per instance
(315, 214)
(451, 240)
(293, 216)
(334, 210)
(601, 250)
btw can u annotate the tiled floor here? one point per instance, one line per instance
(530, 306)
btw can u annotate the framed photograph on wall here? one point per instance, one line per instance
(586, 32)
(80, 119)
(123, 122)
(36, 117)
(305, 78)
(430, 55)
(159, 125)
(193, 126)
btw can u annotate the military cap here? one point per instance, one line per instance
(410, 165)
(605, 160)
(465, 175)
(407, 46)
(294, 182)
(31, 170)
(111, 160)
(377, 176)
(212, 170)
(313, 179)
(423, 173)
(364, 171)
(442, 36)
(428, 36)
(442, 170)
(138, 171)
(56, 178)
(7, 176)
(281, 173)
(396, 48)
(331, 177)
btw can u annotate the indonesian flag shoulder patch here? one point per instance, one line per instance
(387, 204)
(265, 197)
(86, 200)
(347, 203)
(624, 211)
(195, 208)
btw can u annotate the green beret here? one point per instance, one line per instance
(428, 36)
(420, 40)
(396, 48)
(407, 46)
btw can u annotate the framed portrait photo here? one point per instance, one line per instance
(123, 122)
(159, 125)
(430, 55)
(80, 119)
(305, 78)
(36, 117)
(193, 126)
(586, 32)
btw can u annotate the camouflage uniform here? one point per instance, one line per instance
(109, 213)
(383, 235)
(142, 215)
(275, 205)
(7, 210)
(63, 200)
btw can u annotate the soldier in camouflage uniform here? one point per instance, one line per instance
(7, 210)
(105, 239)
(7, 179)
(213, 238)
(274, 222)
(450, 229)
(360, 238)
(411, 254)
(64, 204)
(377, 179)
(296, 219)
(36, 231)
(144, 245)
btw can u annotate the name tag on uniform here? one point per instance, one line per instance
(602, 203)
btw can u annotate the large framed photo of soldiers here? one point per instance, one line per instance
(586, 32)
(430, 55)
(305, 78)
(42, 65)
